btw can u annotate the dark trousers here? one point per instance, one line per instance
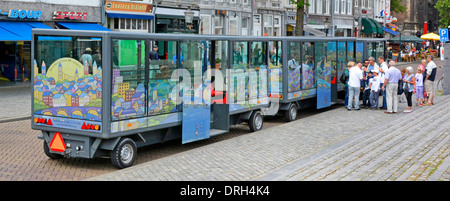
(366, 98)
(408, 97)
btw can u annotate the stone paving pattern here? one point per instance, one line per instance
(332, 145)
(328, 144)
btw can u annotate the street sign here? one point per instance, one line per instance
(443, 33)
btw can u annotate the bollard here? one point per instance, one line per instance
(446, 81)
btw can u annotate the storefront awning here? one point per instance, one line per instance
(311, 30)
(19, 31)
(371, 26)
(390, 31)
(83, 26)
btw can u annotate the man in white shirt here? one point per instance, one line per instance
(382, 69)
(354, 84)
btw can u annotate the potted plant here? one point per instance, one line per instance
(218, 61)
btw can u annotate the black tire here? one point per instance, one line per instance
(124, 154)
(49, 154)
(291, 113)
(256, 121)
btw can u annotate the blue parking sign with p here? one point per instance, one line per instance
(443, 33)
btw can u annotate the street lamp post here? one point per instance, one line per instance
(189, 17)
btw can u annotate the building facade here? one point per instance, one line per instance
(18, 17)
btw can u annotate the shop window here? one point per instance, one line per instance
(130, 24)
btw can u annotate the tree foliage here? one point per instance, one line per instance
(443, 7)
(397, 6)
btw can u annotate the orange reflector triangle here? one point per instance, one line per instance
(57, 143)
(49, 122)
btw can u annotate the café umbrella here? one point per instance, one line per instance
(430, 36)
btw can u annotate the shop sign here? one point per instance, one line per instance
(128, 7)
(22, 14)
(62, 15)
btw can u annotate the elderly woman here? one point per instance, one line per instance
(408, 87)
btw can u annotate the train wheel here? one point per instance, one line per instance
(125, 153)
(291, 113)
(256, 121)
(51, 155)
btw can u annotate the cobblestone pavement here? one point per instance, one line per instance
(331, 145)
(328, 144)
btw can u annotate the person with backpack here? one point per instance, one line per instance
(431, 70)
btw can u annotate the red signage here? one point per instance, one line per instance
(62, 15)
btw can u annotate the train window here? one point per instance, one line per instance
(380, 49)
(342, 61)
(68, 77)
(163, 61)
(258, 72)
(238, 77)
(351, 51)
(275, 68)
(240, 55)
(196, 56)
(294, 66)
(128, 79)
(308, 67)
(371, 50)
(321, 61)
(221, 63)
(331, 57)
(359, 52)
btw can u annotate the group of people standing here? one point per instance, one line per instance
(390, 82)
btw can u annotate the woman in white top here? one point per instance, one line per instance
(409, 81)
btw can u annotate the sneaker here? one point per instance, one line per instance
(407, 111)
(428, 104)
(421, 104)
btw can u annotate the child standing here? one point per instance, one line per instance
(419, 86)
(366, 93)
(374, 89)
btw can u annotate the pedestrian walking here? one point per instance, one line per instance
(408, 87)
(429, 80)
(86, 58)
(374, 89)
(354, 84)
(419, 86)
(392, 76)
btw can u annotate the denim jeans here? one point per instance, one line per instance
(346, 96)
(353, 92)
(383, 93)
(374, 98)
